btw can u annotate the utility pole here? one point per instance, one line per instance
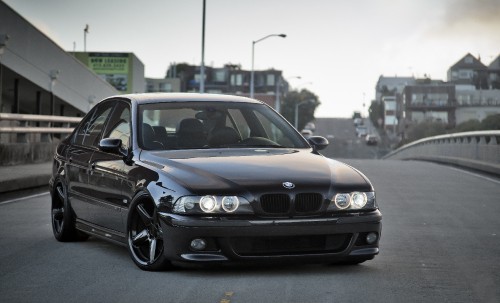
(202, 68)
(85, 32)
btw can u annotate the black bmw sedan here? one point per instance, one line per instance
(208, 178)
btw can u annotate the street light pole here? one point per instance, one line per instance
(202, 68)
(85, 32)
(297, 112)
(253, 51)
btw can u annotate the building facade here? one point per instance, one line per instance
(124, 71)
(472, 91)
(39, 77)
(429, 100)
(269, 85)
(163, 85)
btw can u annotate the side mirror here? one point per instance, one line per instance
(318, 142)
(111, 145)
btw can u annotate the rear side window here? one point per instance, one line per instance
(90, 129)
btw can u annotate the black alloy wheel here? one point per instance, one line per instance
(145, 236)
(63, 223)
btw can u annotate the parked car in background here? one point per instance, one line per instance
(371, 140)
(306, 133)
(356, 114)
(206, 178)
(361, 131)
(310, 126)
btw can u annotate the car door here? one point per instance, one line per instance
(107, 173)
(79, 157)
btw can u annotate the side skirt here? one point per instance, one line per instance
(101, 232)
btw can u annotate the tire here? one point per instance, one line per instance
(62, 216)
(144, 236)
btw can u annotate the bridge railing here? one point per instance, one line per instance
(26, 126)
(478, 150)
(31, 138)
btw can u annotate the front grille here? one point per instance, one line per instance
(306, 203)
(275, 203)
(290, 245)
(281, 204)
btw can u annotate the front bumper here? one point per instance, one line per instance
(326, 239)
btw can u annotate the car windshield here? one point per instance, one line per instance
(195, 125)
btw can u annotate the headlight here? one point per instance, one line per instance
(342, 201)
(208, 204)
(358, 200)
(230, 204)
(353, 201)
(212, 205)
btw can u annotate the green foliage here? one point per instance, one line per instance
(431, 128)
(425, 129)
(491, 122)
(308, 103)
(468, 126)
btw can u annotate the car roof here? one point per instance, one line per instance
(144, 98)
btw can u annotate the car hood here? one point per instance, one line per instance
(232, 171)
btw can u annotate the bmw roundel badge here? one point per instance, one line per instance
(288, 185)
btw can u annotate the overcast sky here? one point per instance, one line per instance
(339, 48)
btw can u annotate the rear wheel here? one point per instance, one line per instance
(63, 222)
(145, 236)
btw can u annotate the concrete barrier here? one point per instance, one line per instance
(26, 153)
(476, 150)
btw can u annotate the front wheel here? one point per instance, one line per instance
(145, 236)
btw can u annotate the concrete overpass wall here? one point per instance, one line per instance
(476, 150)
(32, 55)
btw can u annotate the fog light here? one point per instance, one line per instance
(198, 244)
(371, 238)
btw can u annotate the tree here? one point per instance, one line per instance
(308, 103)
(423, 130)
(491, 122)
(468, 126)
(376, 112)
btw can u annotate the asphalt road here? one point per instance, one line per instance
(345, 143)
(440, 243)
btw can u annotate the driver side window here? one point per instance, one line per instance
(119, 125)
(89, 130)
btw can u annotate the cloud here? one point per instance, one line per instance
(473, 14)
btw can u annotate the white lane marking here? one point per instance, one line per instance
(24, 198)
(473, 174)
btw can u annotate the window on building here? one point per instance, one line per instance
(271, 78)
(237, 79)
(220, 75)
(166, 87)
(197, 77)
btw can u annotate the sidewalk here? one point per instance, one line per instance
(25, 176)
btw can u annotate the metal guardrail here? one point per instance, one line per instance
(27, 128)
(477, 150)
